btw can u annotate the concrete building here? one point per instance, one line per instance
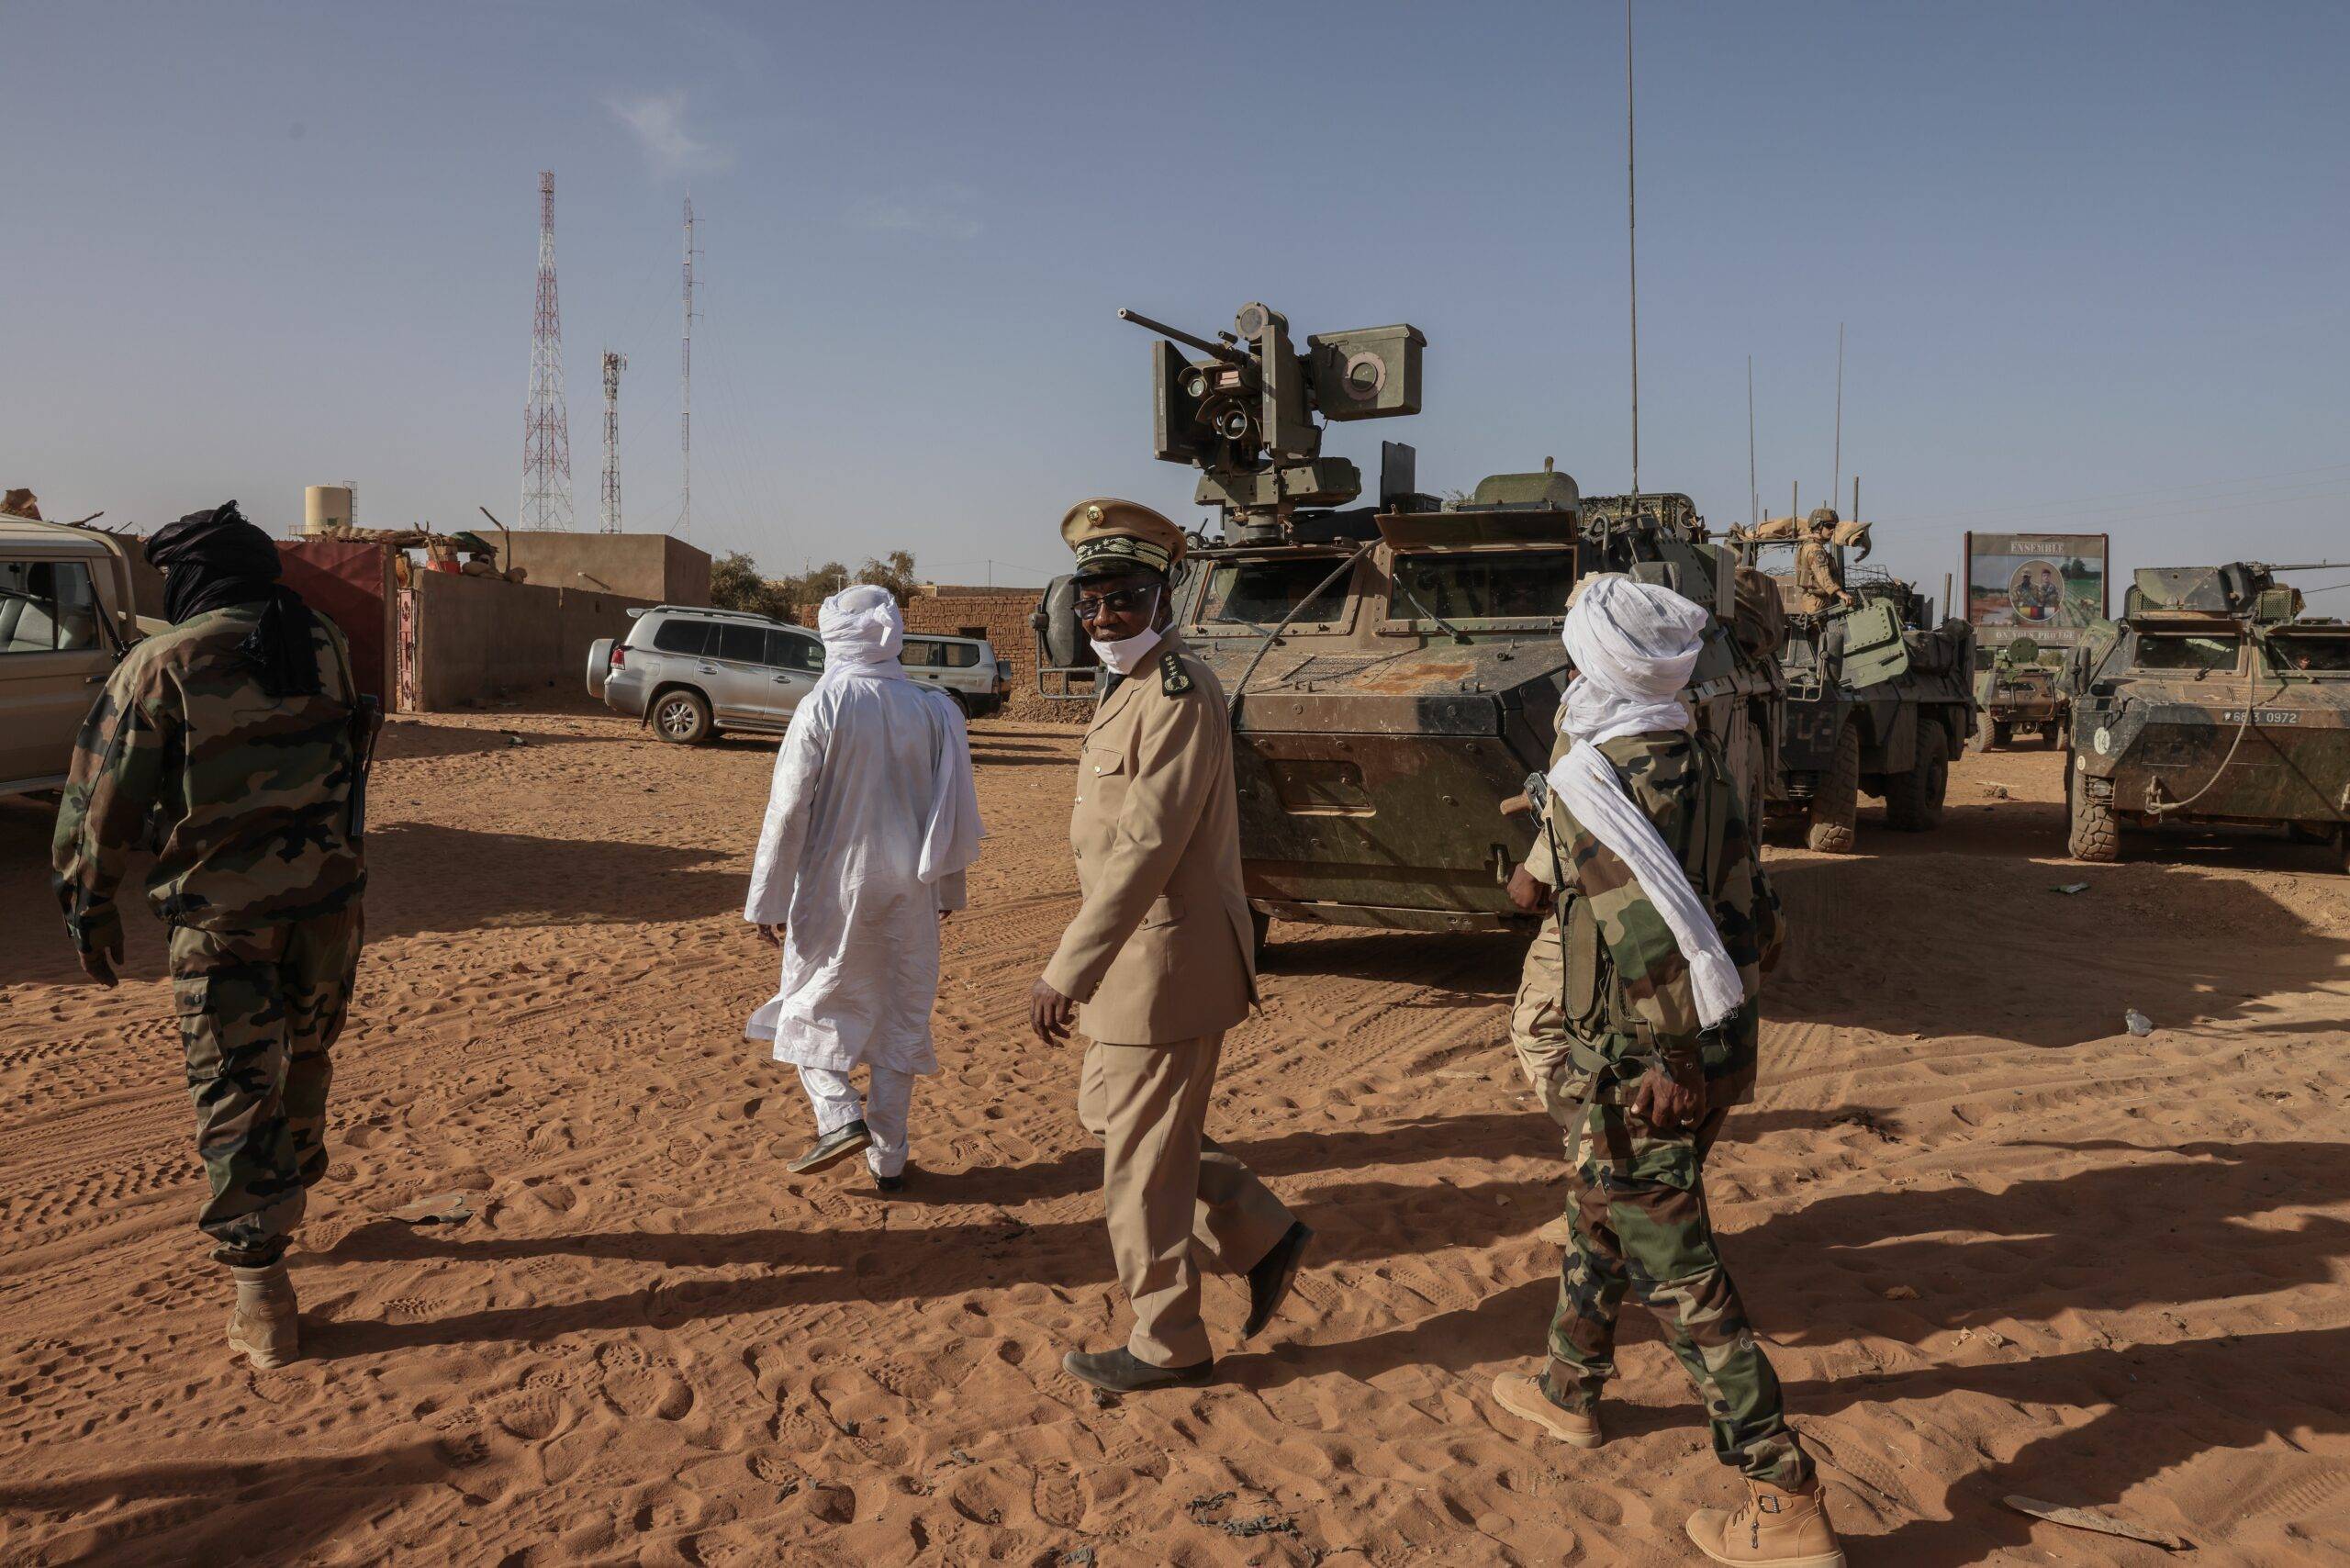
(654, 568)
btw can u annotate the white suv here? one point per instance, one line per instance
(691, 671)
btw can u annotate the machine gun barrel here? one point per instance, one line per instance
(2303, 566)
(1223, 352)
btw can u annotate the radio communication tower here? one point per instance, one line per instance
(546, 431)
(686, 380)
(613, 364)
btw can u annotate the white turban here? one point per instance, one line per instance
(1634, 645)
(862, 632)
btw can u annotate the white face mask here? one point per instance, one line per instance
(1126, 656)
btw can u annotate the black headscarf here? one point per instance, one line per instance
(213, 559)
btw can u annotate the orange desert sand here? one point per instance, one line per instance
(649, 1344)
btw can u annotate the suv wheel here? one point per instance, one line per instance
(1913, 800)
(682, 717)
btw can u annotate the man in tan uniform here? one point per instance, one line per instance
(1817, 578)
(1160, 957)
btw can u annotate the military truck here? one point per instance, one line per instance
(1880, 695)
(2211, 702)
(2018, 687)
(1394, 669)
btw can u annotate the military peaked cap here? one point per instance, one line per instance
(1111, 536)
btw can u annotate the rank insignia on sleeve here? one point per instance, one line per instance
(1172, 679)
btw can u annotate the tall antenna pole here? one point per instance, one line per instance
(686, 375)
(613, 364)
(546, 431)
(1632, 241)
(1836, 478)
(1753, 495)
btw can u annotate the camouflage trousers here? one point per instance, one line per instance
(1642, 1227)
(259, 1012)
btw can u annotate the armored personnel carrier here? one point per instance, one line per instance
(1879, 695)
(1393, 668)
(2210, 702)
(2017, 687)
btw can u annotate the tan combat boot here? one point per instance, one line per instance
(1776, 1529)
(264, 1324)
(1523, 1395)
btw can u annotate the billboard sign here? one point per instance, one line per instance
(2047, 587)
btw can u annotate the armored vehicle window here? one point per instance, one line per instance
(683, 638)
(2318, 653)
(1267, 592)
(2172, 650)
(1531, 586)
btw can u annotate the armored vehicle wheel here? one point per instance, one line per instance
(682, 717)
(2091, 831)
(1913, 800)
(1836, 799)
(1990, 734)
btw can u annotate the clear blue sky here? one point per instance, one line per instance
(2092, 259)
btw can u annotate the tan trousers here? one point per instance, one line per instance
(1537, 1031)
(1166, 1188)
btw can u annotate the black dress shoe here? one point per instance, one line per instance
(1270, 1280)
(832, 1147)
(1122, 1371)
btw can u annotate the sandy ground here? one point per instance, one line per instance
(650, 1344)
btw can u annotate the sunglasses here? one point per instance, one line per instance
(1117, 601)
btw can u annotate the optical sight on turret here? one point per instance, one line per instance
(1248, 415)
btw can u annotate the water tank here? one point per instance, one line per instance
(328, 508)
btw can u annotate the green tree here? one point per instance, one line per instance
(894, 572)
(735, 584)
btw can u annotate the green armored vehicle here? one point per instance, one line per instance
(2018, 687)
(2208, 702)
(1880, 695)
(1393, 668)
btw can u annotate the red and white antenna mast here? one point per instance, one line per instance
(546, 432)
(685, 378)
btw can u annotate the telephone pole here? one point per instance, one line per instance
(546, 431)
(613, 364)
(686, 382)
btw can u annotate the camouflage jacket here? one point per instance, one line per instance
(1626, 993)
(245, 798)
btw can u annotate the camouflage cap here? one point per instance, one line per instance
(1111, 536)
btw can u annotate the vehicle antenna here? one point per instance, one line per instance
(1836, 475)
(1632, 242)
(1753, 496)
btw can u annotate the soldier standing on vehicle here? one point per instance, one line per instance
(1817, 576)
(235, 745)
(1668, 924)
(1159, 956)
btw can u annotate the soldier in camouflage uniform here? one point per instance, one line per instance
(1818, 576)
(1607, 1028)
(233, 746)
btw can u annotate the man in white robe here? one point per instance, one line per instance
(871, 822)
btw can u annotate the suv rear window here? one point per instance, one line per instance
(743, 644)
(2173, 650)
(922, 653)
(682, 636)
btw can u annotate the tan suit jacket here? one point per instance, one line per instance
(1161, 951)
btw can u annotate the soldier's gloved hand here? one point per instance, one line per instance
(99, 959)
(1670, 1097)
(1528, 892)
(1050, 1014)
